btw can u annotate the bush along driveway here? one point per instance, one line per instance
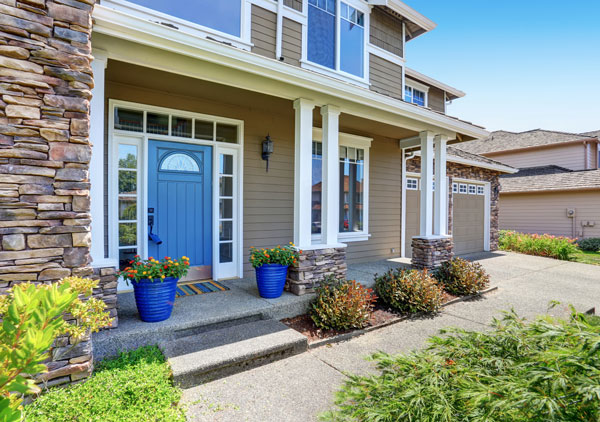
(303, 387)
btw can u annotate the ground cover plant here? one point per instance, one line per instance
(409, 290)
(548, 370)
(342, 304)
(558, 247)
(587, 257)
(134, 387)
(461, 277)
(590, 244)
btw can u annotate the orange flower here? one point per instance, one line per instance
(267, 255)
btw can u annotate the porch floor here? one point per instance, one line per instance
(195, 314)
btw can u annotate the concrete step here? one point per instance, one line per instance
(215, 354)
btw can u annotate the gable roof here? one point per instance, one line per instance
(502, 140)
(594, 133)
(462, 157)
(549, 178)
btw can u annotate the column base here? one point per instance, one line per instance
(313, 265)
(429, 253)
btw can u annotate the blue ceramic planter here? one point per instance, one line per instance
(271, 280)
(154, 299)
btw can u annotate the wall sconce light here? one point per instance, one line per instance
(267, 150)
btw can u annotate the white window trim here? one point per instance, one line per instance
(416, 180)
(349, 140)
(337, 72)
(419, 87)
(243, 41)
(141, 139)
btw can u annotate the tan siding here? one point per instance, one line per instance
(294, 4)
(264, 31)
(386, 31)
(291, 47)
(385, 77)
(436, 99)
(547, 213)
(569, 156)
(591, 155)
(384, 204)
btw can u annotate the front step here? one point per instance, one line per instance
(215, 354)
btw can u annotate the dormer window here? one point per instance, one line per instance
(415, 96)
(336, 37)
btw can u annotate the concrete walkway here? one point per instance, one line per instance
(299, 388)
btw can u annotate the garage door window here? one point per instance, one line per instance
(472, 189)
(462, 188)
(454, 187)
(480, 190)
(412, 183)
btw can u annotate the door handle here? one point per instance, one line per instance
(152, 236)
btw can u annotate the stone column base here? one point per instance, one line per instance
(430, 253)
(313, 266)
(107, 291)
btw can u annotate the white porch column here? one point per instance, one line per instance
(330, 205)
(303, 172)
(440, 210)
(97, 163)
(426, 212)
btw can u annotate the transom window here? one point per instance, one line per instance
(222, 15)
(415, 96)
(346, 54)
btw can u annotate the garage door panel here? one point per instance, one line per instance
(468, 223)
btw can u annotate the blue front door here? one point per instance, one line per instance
(180, 204)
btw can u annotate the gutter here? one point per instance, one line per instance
(120, 25)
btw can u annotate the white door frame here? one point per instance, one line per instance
(141, 139)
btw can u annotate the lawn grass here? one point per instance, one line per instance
(586, 257)
(134, 387)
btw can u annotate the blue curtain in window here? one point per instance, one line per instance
(222, 15)
(351, 48)
(321, 37)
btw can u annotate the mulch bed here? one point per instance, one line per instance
(382, 314)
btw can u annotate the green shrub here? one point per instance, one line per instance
(409, 290)
(558, 247)
(591, 244)
(341, 305)
(461, 277)
(134, 387)
(545, 371)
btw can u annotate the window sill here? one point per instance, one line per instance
(353, 237)
(347, 77)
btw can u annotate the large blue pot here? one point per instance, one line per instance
(155, 298)
(271, 280)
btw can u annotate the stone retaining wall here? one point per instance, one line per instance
(430, 253)
(45, 90)
(313, 266)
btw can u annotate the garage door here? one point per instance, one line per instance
(468, 219)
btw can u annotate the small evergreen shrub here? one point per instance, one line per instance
(461, 277)
(409, 290)
(558, 247)
(591, 244)
(341, 305)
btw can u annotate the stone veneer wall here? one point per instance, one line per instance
(430, 253)
(45, 90)
(313, 266)
(461, 171)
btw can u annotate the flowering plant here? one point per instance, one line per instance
(153, 269)
(282, 255)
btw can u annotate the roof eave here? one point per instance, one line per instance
(408, 12)
(433, 82)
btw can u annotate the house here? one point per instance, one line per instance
(123, 124)
(557, 189)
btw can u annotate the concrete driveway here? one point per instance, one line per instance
(299, 388)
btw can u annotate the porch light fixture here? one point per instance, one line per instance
(267, 150)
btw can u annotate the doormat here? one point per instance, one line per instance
(199, 288)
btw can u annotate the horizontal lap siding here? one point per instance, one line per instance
(385, 77)
(291, 47)
(264, 31)
(547, 212)
(569, 156)
(436, 99)
(386, 31)
(384, 204)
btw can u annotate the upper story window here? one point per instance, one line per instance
(223, 15)
(415, 96)
(344, 52)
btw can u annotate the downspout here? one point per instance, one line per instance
(279, 33)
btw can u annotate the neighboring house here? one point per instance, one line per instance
(119, 121)
(557, 189)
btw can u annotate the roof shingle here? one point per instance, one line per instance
(549, 178)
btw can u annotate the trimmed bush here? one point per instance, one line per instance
(558, 247)
(461, 277)
(341, 305)
(409, 290)
(591, 244)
